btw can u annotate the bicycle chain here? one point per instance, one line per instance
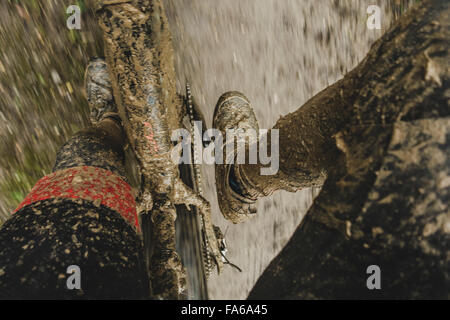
(208, 261)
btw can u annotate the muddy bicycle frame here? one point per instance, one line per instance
(139, 53)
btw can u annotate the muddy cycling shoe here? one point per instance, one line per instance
(237, 200)
(99, 91)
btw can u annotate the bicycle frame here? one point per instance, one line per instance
(139, 54)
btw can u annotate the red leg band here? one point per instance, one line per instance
(88, 183)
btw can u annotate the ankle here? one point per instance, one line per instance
(112, 126)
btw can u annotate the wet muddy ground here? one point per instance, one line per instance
(277, 52)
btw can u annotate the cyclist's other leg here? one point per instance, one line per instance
(84, 215)
(301, 152)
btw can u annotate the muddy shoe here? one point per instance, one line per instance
(236, 201)
(99, 91)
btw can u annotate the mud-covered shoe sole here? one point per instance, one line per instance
(99, 92)
(233, 111)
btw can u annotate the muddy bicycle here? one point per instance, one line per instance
(176, 219)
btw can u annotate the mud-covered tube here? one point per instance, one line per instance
(139, 54)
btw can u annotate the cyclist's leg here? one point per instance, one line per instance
(82, 214)
(301, 152)
(383, 203)
(306, 148)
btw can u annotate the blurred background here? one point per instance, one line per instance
(279, 53)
